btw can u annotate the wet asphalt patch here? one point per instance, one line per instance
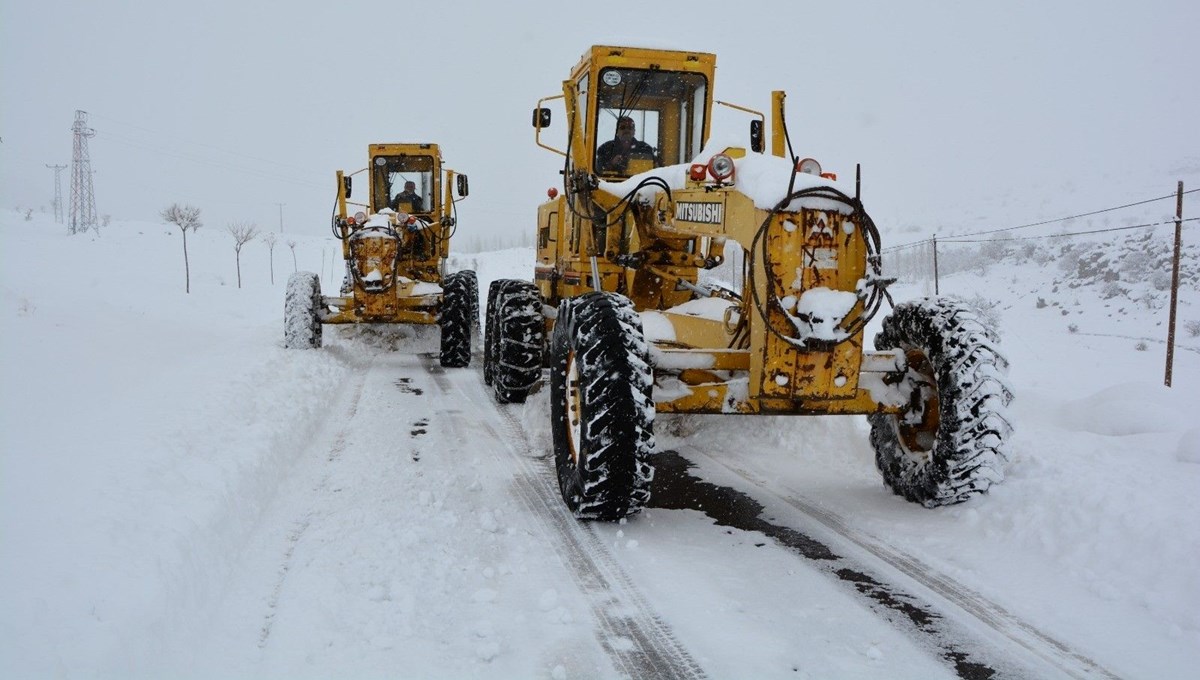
(405, 385)
(675, 488)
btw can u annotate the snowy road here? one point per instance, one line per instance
(419, 535)
(182, 497)
(424, 531)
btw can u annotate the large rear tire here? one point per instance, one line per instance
(601, 405)
(493, 290)
(951, 442)
(460, 298)
(301, 306)
(514, 339)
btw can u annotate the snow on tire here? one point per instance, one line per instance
(602, 410)
(460, 297)
(514, 339)
(472, 282)
(489, 327)
(951, 442)
(301, 312)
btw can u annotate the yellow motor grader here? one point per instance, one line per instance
(395, 248)
(619, 313)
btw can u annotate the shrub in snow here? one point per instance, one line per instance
(1073, 328)
(1042, 256)
(1141, 346)
(1136, 265)
(1069, 260)
(1111, 290)
(1161, 280)
(1149, 299)
(1192, 327)
(987, 311)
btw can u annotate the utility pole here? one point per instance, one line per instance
(936, 287)
(1174, 284)
(58, 211)
(83, 196)
(281, 216)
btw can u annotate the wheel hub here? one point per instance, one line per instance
(918, 424)
(574, 409)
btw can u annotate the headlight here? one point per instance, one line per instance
(360, 217)
(809, 166)
(721, 167)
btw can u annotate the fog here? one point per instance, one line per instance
(962, 116)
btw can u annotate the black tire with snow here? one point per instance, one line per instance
(602, 409)
(489, 326)
(473, 284)
(302, 302)
(513, 340)
(460, 296)
(951, 443)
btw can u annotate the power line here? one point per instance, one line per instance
(1071, 217)
(1044, 222)
(1077, 233)
(906, 246)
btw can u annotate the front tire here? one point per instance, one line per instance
(460, 297)
(514, 341)
(951, 442)
(301, 312)
(602, 409)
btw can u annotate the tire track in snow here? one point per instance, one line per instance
(1021, 633)
(637, 640)
(348, 402)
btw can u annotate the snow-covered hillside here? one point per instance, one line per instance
(157, 449)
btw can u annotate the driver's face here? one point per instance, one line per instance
(625, 132)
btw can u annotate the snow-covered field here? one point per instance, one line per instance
(179, 496)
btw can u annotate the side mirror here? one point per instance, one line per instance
(462, 185)
(756, 136)
(541, 118)
(346, 186)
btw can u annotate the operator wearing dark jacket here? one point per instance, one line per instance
(409, 194)
(613, 156)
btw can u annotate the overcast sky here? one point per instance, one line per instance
(960, 114)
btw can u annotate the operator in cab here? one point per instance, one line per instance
(409, 195)
(612, 158)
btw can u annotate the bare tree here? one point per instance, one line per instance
(242, 233)
(269, 239)
(292, 245)
(185, 217)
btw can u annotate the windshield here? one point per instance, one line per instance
(403, 183)
(645, 119)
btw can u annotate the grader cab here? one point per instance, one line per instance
(395, 247)
(619, 313)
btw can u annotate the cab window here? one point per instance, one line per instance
(392, 174)
(665, 110)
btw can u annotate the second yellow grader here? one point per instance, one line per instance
(395, 246)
